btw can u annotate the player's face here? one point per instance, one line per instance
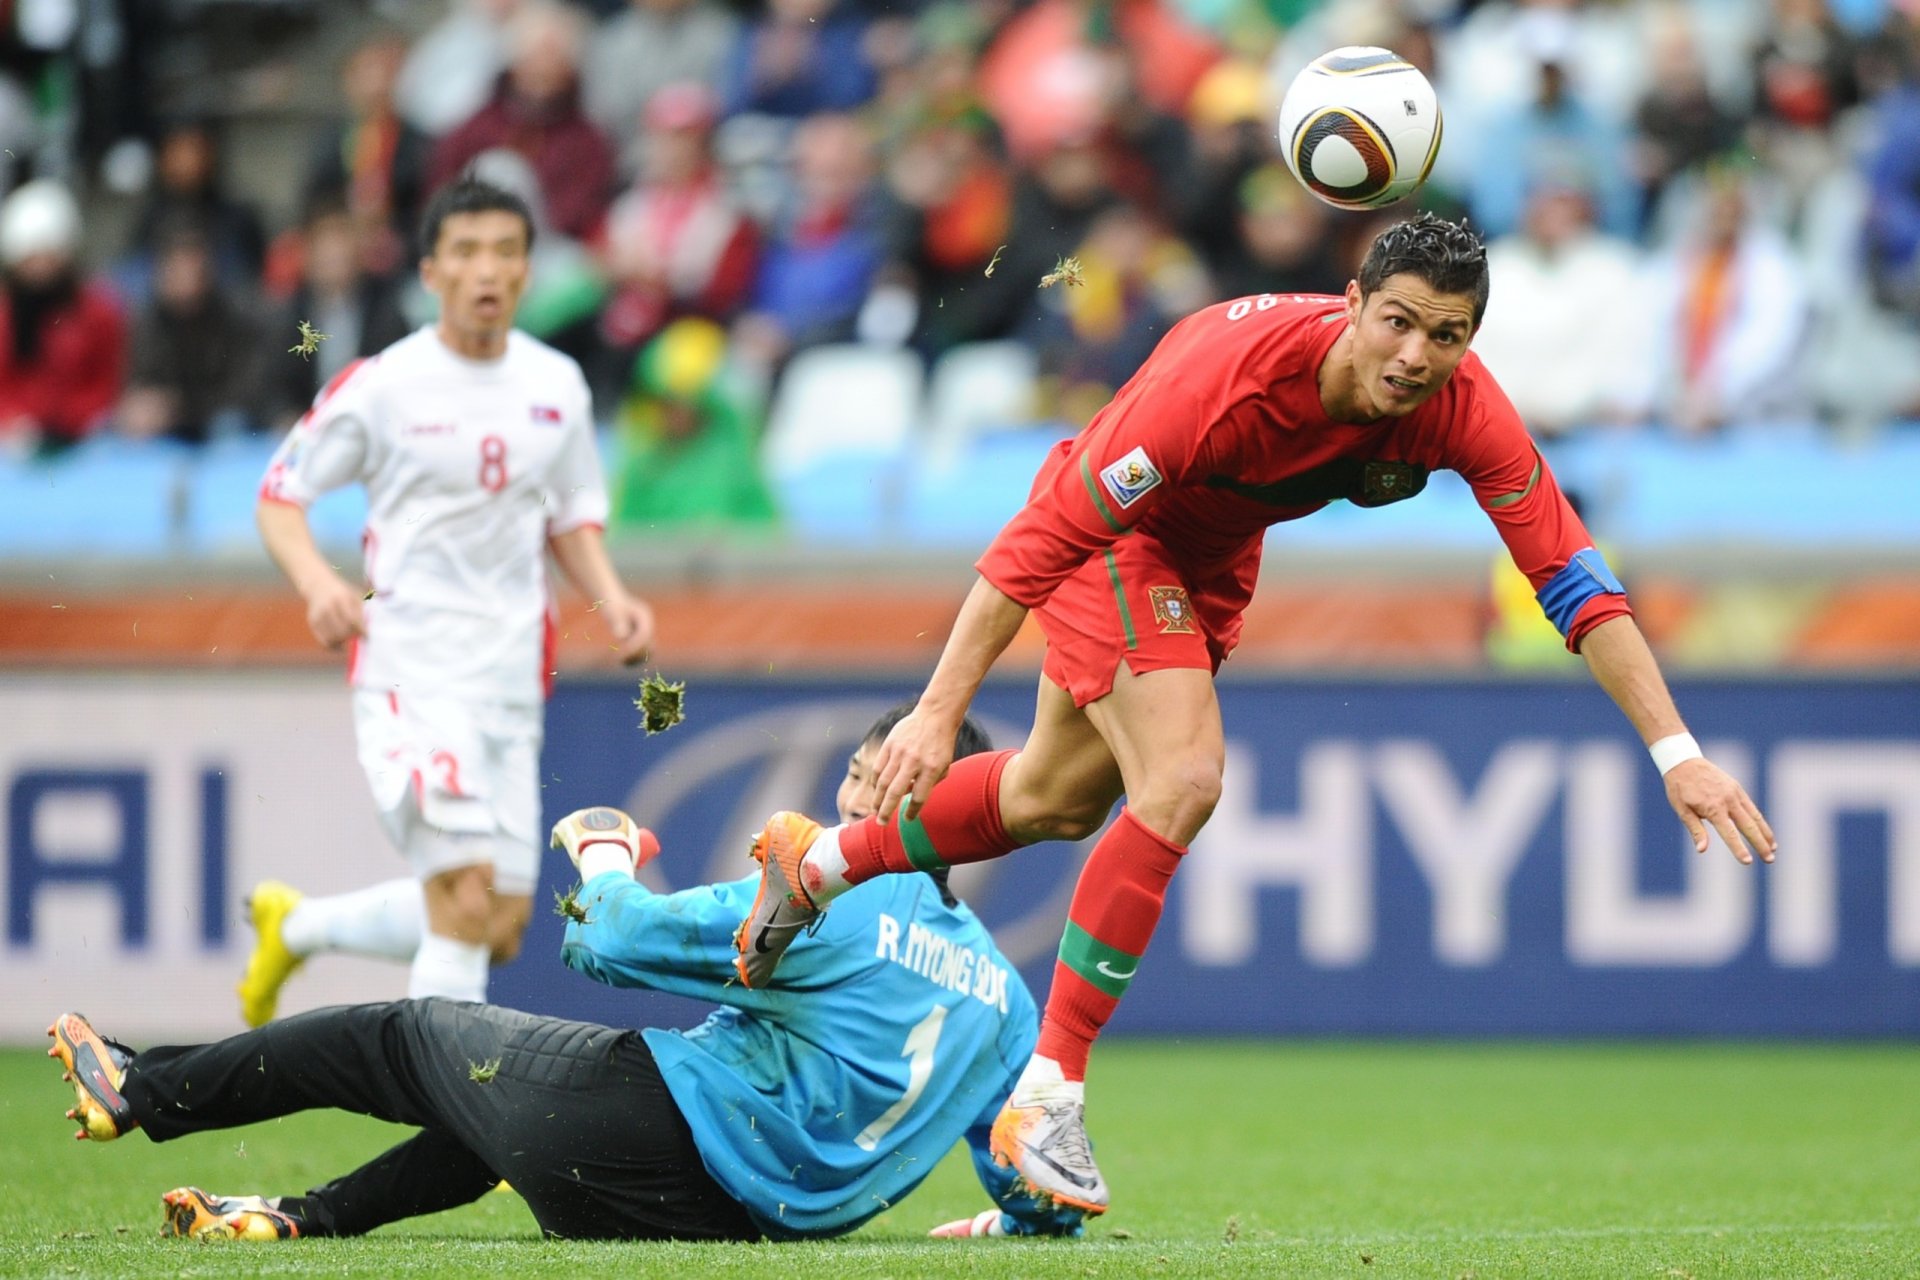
(1407, 340)
(857, 795)
(478, 270)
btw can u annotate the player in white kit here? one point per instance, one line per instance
(475, 444)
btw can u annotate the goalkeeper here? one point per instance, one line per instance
(781, 1116)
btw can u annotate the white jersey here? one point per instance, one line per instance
(469, 466)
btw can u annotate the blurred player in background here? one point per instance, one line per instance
(1138, 550)
(783, 1115)
(475, 444)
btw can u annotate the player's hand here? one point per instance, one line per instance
(914, 757)
(1704, 795)
(335, 611)
(988, 1222)
(584, 828)
(629, 620)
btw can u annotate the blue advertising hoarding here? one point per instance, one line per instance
(1419, 858)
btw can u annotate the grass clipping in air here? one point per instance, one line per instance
(567, 906)
(310, 340)
(1067, 271)
(662, 704)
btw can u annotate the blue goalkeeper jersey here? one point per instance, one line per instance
(892, 1032)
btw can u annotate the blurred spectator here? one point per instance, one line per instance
(62, 336)
(1804, 74)
(1487, 62)
(1564, 325)
(1803, 68)
(1555, 126)
(930, 74)
(651, 44)
(687, 443)
(197, 357)
(1232, 122)
(1054, 208)
(1893, 177)
(452, 69)
(1285, 242)
(191, 190)
(1044, 80)
(358, 311)
(1148, 150)
(1679, 123)
(803, 57)
(1137, 280)
(821, 255)
(949, 211)
(19, 130)
(535, 111)
(1729, 314)
(374, 156)
(677, 242)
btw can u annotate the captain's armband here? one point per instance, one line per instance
(1584, 577)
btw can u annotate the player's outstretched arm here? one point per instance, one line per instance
(624, 934)
(582, 555)
(1701, 792)
(916, 754)
(334, 607)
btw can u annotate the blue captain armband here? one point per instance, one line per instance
(1585, 576)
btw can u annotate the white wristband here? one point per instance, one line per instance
(1672, 750)
(603, 856)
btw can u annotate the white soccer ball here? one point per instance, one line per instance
(1360, 127)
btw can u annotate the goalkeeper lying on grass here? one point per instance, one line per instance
(781, 1116)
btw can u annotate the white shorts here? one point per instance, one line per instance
(457, 782)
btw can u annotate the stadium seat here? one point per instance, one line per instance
(846, 498)
(839, 399)
(979, 388)
(960, 499)
(1761, 487)
(223, 486)
(107, 496)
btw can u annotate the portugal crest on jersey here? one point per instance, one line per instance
(1172, 610)
(1387, 481)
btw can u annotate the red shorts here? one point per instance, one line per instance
(1131, 604)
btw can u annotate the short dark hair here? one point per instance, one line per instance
(969, 740)
(1449, 256)
(468, 194)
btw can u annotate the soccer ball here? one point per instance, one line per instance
(1360, 127)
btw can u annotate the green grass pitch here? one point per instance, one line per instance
(1226, 1158)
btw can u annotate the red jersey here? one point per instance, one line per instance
(1221, 434)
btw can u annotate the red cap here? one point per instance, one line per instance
(687, 104)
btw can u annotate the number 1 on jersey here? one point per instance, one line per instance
(493, 463)
(919, 1054)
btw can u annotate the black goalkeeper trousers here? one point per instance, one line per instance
(575, 1116)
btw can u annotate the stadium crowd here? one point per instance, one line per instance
(1704, 215)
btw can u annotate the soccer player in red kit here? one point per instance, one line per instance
(1138, 549)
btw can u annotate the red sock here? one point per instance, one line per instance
(960, 822)
(1115, 908)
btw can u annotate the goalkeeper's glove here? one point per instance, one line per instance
(988, 1222)
(994, 1223)
(606, 839)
